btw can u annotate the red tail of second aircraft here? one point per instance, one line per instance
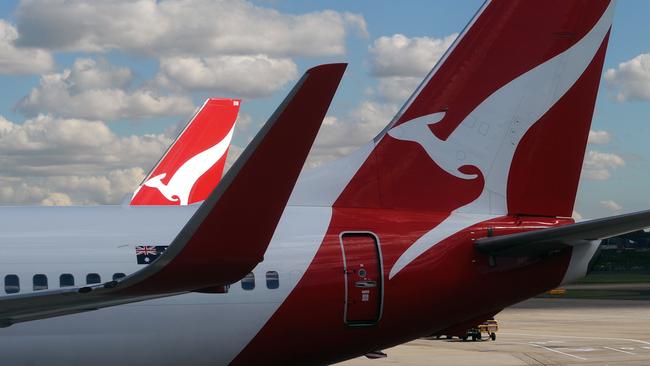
(193, 165)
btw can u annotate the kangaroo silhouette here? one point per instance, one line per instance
(181, 183)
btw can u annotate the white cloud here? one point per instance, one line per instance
(631, 79)
(597, 165)
(48, 160)
(15, 60)
(96, 90)
(240, 75)
(108, 188)
(56, 199)
(599, 137)
(182, 27)
(399, 55)
(397, 88)
(401, 63)
(339, 136)
(611, 205)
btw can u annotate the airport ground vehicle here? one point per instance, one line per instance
(490, 327)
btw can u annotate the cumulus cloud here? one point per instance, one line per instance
(399, 55)
(15, 60)
(49, 160)
(56, 199)
(397, 89)
(401, 62)
(631, 79)
(611, 205)
(97, 90)
(108, 188)
(241, 75)
(339, 136)
(597, 165)
(182, 27)
(599, 137)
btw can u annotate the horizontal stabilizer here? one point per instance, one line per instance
(229, 233)
(540, 242)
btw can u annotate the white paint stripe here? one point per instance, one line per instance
(575, 337)
(303, 230)
(619, 350)
(546, 342)
(556, 351)
(453, 224)
(584, 349)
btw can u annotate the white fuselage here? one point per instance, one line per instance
(192, 329)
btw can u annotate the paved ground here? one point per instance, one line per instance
(608, 286)
(543, 332)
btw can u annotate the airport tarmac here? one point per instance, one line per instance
(542, 332)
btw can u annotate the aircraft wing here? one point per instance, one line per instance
(239, 212)
(540, 242)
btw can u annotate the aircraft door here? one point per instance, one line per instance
(363, 278)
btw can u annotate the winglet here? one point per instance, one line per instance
(228, 235)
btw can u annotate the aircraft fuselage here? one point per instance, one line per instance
(315, 299)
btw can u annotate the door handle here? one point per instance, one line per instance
(365, 284)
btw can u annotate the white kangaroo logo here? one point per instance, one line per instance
(488, 137)
(180, 185)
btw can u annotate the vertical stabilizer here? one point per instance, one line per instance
(500, 124)
(193, 165)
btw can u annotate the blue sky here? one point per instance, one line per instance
(620, 163)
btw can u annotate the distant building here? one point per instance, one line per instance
(626, 253)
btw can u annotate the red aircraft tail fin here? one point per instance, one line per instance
(500, 124)
(193, 164)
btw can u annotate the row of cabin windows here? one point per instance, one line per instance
(272, 281)
(39, 281)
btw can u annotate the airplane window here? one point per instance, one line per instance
(66, 280)
(272, 280)
(12, 284)
(92, 278)
(248, 282)
(117, 276)
(40, 282)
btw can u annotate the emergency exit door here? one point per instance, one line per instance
(363, 278)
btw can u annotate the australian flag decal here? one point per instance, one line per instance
(146, 254)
